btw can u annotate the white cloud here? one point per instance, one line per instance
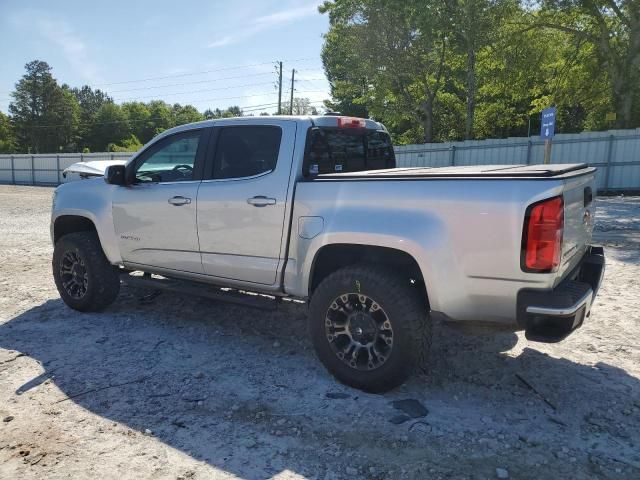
(267, 22)
(287, 16)
(223, 41)
(58, 32)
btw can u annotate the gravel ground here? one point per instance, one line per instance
(179, 387)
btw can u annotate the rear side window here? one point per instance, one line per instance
(246, 151)
(331, 150)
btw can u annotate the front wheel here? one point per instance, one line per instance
(84, 277)
(370, 327)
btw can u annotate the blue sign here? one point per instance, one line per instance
(548, 123)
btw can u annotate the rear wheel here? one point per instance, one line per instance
(369, 326)
(84, 277)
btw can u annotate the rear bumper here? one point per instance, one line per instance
(551, 315)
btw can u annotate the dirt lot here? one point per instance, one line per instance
(178, 387)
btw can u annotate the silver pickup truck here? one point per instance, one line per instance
(314, 208)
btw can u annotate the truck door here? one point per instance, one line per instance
(155, 217)
(242, 204)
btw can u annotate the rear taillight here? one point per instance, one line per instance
(542, 236)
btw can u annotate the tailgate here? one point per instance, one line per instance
(579, 215)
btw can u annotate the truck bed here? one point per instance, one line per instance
(528, 172)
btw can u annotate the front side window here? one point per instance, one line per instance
(172, 161)
(246, 151)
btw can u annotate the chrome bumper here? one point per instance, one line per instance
(551, 315)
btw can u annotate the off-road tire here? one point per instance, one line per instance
(407, 311)
(103, 283)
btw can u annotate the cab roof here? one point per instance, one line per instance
(327, 121)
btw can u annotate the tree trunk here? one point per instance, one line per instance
(426, 109)
(623, 95)
(471, 92)
(624, 108)
(630, 76)
(623, 70)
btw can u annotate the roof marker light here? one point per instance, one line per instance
(351, 122)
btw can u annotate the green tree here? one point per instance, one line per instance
(141, 125)
(341, 62)
(451, 69)
(131, 144)
(44, 115)
(90, 102)
(474, 26)
(7, 139)
(111, 125)
(68, 118)
(301, 106)
(229, 112)
(527, 69)
(185, 114)
(401, 47)
(233, 111)
(160, 119)
(612, 27)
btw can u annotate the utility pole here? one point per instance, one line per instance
(280, 88)
(293, 76)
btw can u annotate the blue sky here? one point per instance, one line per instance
(114, 45)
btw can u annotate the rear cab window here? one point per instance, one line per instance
(335, 150)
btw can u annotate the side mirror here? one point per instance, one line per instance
(115, 175)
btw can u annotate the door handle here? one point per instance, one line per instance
(179, 200)
(261, 201)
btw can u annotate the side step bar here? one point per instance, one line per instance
(237, 297)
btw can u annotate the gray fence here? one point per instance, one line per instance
(616, 153)
(46, 169)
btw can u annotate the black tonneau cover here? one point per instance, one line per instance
(472, 171)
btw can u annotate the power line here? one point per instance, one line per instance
(203, 72)
(114, 122)
(198, 82)
(186, 103)
(247, 108)
(264, 107)
(189, 83)
(311, 81)
(200, 100)
(321, 70)
(207, 81)
(229, 98)
(195, 91)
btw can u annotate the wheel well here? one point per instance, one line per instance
(70, 224)
(333, 257)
